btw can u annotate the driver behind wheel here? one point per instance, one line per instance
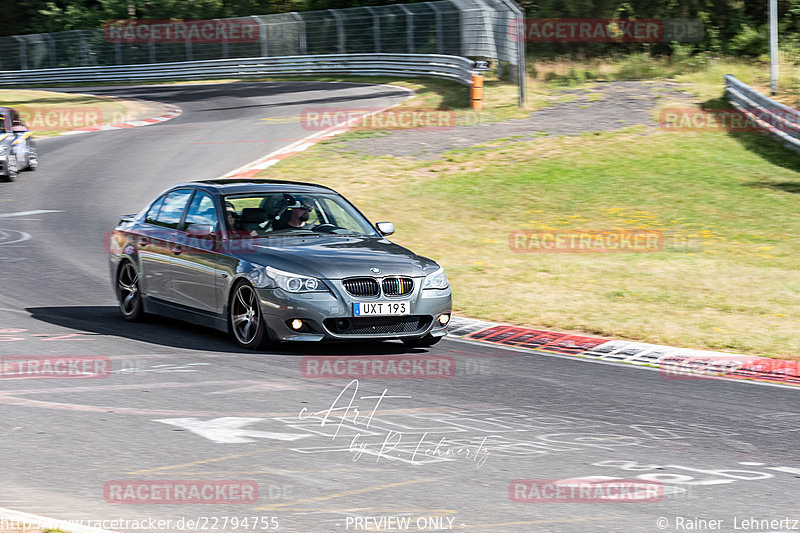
(293, 217)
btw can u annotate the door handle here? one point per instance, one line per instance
(144, 241)
(177, 249)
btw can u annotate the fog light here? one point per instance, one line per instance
(444, 319)
(297, 323)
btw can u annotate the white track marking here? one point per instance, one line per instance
(228, 430)
(26, 213)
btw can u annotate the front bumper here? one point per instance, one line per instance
(329, 315)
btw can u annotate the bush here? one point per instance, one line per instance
(573, 77)
(640, 67)
(685, 59)
(750, 42)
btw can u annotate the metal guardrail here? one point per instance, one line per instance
(403, 65)
(478, 29)
(468, 28)
(779, 120)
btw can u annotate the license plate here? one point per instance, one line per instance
(381, 308)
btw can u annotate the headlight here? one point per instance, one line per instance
(437, 280)
(291, 282)
(3, 151)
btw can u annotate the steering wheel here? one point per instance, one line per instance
(325, 228)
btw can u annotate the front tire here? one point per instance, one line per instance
(128, 294)
(422, 342)
(32, 159)
(245, 320)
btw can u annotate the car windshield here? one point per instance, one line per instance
(289, 214)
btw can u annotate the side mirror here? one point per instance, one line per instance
(386, 228)
(19, 129)
(200, 230)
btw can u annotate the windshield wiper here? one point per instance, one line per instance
(289, 234)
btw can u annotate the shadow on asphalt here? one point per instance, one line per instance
(163, 331)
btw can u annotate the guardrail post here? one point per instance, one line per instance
(522, 66)
(151, 48)
(439, 35)
(84, 49)
(463, 32)
(224, 43)
(339, 30)
(23, 52)
(118, 53)
(187, 46)
(51, 49)
(409, 27)
(773, 46)
(302, 32)
(376, 28)
(262, 35)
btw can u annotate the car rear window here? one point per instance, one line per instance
(172, 210)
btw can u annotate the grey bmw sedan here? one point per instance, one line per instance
(272, 261)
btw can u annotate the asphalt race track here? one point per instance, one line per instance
(185, 405)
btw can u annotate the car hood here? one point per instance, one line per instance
(337, 257)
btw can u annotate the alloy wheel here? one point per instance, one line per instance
(245, 314)
(128, 289)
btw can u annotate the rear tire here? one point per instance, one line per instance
(128, 294)
(12, 168)
(245, 320)
(422, 342)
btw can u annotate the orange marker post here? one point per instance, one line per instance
(476, 92)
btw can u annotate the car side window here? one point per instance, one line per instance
(201, 211)
(152, 213)
(15, 120)
(172, 210)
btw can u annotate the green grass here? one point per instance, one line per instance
(704, 74)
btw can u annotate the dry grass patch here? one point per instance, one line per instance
(49, 113)
(726, 278)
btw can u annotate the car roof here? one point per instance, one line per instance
(246, 186)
